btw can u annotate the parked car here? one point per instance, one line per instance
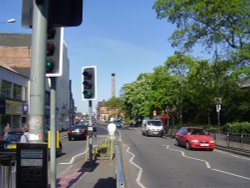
(194, 138)
(14, 136)
(152, 127)
(79, 131)
(10, 140)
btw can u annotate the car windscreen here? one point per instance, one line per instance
(154, 123)
(193, 131)
(79, 127)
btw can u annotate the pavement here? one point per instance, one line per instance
(101, 174)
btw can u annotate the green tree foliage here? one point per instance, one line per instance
(117, 104)
(209, 22)
(185, 88)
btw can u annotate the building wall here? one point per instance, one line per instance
(63, 94)
(13, 110)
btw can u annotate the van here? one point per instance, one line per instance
(152, 127)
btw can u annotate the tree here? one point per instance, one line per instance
(209, 23)
(116, 105)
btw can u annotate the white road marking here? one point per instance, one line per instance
(240, 157)
(233, 155)
(138, 178)
(184, 155)
(73, 158)
(231, 174)
(207, 163)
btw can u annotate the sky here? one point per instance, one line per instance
(118, 36)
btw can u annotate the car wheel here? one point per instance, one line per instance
(211, 149)
(187, 146)
(176, 142)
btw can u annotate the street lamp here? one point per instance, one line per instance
(12, 20)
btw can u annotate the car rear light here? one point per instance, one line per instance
(82, 131)
(69, 131)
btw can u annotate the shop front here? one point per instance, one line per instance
(13, 113)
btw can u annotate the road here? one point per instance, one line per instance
(155, 162)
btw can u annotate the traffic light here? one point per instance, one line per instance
(65, 13)
(89, 85)
(61, 13)
(54, 59)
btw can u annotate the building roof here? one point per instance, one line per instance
(15, 39)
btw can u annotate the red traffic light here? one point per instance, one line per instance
(50, 48)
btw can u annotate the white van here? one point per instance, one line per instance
(152, 127)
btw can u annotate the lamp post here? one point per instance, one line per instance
(12, 20)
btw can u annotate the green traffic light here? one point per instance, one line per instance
(87, 94)
(49, 66)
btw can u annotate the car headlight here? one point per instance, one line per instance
(194, 141)
(211, 142)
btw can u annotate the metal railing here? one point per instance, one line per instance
(120, 178)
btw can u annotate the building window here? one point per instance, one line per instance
(16, 122)
(6, 89)
(17, 92)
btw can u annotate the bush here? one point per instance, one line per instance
(237, 127)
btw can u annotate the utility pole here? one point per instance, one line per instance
(90, 134)
(53, 132)
(37, 77)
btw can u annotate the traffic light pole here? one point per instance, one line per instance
(53, 132)
(37, 77)
(91, 134)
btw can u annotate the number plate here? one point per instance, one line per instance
(204, 144)
(11, 146)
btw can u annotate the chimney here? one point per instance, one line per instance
(113, 84)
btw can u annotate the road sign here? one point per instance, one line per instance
(218, 108)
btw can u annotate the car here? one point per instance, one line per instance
(194, 138)
(14, 136)
(152, 127)
(78, 131)
(118, 123)
(10, 140)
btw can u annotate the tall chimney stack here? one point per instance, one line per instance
(113, 84)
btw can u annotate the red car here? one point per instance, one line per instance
(194, 138)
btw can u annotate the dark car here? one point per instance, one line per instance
(78, 131)
(14, 136)
(10, 140)
(194, 138)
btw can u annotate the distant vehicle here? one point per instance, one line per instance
(118, 123)
(152, 127)
(194, 138)
(78, 131)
